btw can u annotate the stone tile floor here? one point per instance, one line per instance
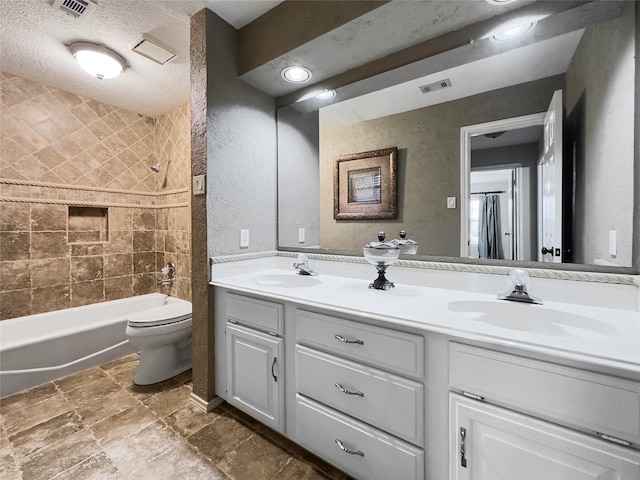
(97, 424)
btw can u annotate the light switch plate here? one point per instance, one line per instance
(244, 238)
(198, 185)
(301, 235)
(451, 202)
(613, 243)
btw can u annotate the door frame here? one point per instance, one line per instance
(465, 162)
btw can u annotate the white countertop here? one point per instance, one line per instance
(460, 306)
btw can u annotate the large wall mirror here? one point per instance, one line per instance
(540, 134)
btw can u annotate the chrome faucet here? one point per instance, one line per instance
(518, 293)
(302, 265)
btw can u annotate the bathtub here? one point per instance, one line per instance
(39, 348)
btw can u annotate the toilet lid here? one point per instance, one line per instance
(162, 315)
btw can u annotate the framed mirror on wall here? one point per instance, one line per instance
(442, 134)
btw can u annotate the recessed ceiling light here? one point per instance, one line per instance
(326, 95)
(98, 60)
(512, 31)
(296, 74)
(499, 2)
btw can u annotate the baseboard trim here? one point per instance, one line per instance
(203, 404)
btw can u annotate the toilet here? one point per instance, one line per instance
(163, 335)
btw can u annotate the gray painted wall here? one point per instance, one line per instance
(607, 163)
(233, 142)
(298, 178)
(428, 142)
(241, 151)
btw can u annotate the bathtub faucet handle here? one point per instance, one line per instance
(169, 271)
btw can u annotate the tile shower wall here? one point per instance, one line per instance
(61, 150)
(173, 225)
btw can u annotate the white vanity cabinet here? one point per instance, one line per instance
(254, 363)
(367, 420)
(493, 443)
(382, 400)
(506, 431)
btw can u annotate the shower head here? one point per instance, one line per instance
(156, 167)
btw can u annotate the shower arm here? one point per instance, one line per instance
(156, 167)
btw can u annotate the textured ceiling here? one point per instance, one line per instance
(531, 62)
(33, 37)
(395, 26)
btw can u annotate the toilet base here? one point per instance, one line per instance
(160, 363)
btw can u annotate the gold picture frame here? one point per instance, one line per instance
(365, 185)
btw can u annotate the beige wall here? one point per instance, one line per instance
(59, 149)
(428, 142)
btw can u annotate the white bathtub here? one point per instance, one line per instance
(39, 348)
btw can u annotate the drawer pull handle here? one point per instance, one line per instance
(273, 365)
(463, 436)
(344, 340)
(348, 392)
(347, 450)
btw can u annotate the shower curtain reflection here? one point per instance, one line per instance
(489, 231)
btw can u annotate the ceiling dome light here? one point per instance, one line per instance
(98, 60)
(296, 74)
(512, 31)
(326, 95)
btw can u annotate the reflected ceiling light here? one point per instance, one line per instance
(296, 74)
(326, 95)
(98, 60)
(512, 31)
(499, 2)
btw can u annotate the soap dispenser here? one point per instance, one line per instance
(407, 246)
(381, 254)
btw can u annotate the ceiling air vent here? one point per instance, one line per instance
(75, 8)
(432, 87)
(153, 49)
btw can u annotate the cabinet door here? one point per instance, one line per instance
(255, 374)
(492, 443)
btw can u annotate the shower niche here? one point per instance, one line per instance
(88, 225)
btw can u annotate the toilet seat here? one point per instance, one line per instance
(162, 315)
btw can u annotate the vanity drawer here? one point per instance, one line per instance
(570, 396)
(383, 457)
(384, 400)
(392, 350)
(252, 312)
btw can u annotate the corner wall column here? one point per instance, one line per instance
(202, 329)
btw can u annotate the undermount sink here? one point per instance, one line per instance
(534, 319)
(286, 280)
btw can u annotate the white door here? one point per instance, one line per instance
(492, 443)
(551, 183)
(255, 376)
